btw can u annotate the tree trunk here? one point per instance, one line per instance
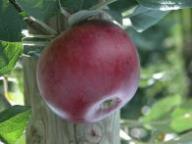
(47, 128)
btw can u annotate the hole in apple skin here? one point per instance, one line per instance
(103, 108)
(108, 105)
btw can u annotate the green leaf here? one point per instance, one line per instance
(115, 15)
(162, 107)
(119, 7)
(7, 114)
(76, 5)
(123, 5)
(21, 140)
(13, 123)
(11, 23)
(166, 4)
(182, 122)
(9, 55)
(40, 9)
(182, 118)
(142, 18)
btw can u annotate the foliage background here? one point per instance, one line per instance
(160, 112)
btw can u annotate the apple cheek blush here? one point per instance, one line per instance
(89, 71)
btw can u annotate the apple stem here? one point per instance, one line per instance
(102, 4)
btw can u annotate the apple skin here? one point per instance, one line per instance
(89, 71)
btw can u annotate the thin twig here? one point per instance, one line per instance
(63, 11)
(16, 5)
(5, 92)
(33, 23)
(32, 43)
(39, 26)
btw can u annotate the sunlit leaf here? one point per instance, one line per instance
(166, 4)
(13, 123)
(162, 107)
(182, 122)
(9, 55)
(182, 118)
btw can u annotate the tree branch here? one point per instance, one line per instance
(5, 92)
(63, 11)
(39, 26)
(36, 25)
(16, 5)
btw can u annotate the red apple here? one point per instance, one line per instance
(89, 71)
